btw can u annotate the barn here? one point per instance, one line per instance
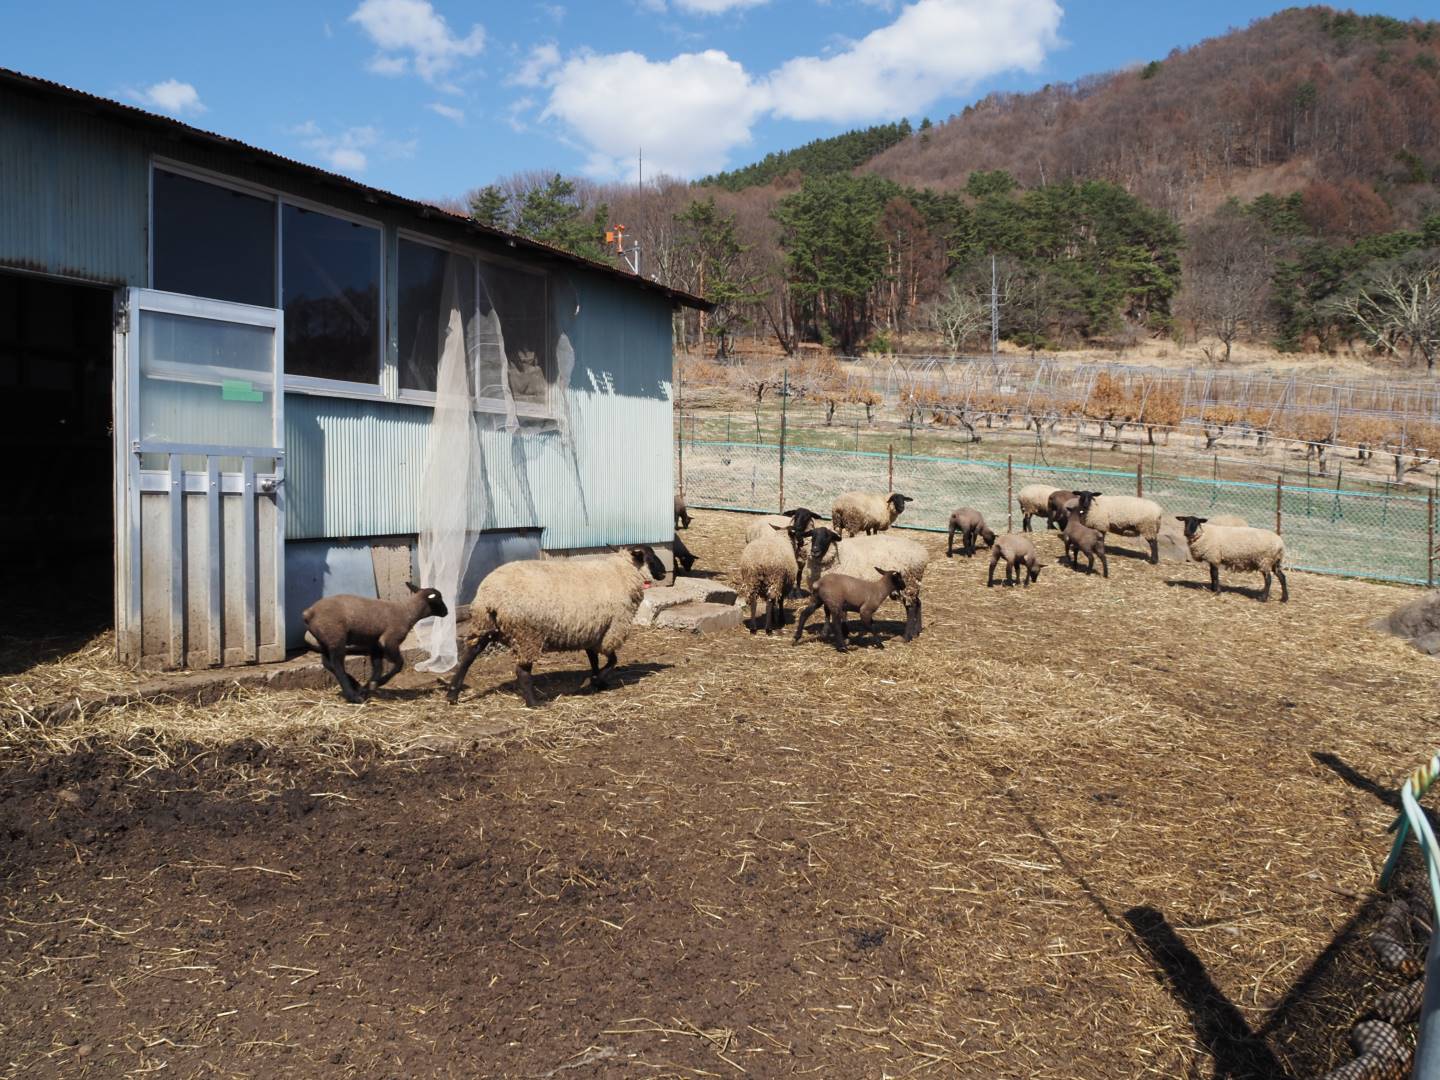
(222, 383)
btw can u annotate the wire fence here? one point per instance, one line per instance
(1327, 529)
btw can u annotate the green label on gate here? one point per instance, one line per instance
(239, 390)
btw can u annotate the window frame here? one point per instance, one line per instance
(301, 384)
(529, 409)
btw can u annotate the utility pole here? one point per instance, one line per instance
(639, 168)
(994, 312)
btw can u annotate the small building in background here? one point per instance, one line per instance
(218, 372)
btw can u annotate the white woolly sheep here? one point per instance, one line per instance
(969, 523)
(1034, 499)
(1237, 547)
(860, 555)
(558, 605)
(1013, 550)
(345, 625)
(1123, 515)
(1229, 520)
(859, 512)
(768, 569)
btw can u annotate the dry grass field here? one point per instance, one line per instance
(1088, 828)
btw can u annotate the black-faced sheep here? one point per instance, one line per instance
(857, 512)
(558, 605)
(860, 555)
(768, 571)
(1237, 547)
(839, 593)
(1014, 550)
(824, 550)
(1034, 499)
(1123, 515)
(682, 513)
(344, 625)
(684, 557)
(1079, 537)
(969, 523)
(1055, 506)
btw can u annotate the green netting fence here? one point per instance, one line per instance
(1383, 535)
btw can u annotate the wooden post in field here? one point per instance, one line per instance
(1430, 539)
(784, 402)
(1009, 492)
(1279, 497)
(1140, 476)
(892, 467)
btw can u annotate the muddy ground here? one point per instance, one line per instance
(1085, 829)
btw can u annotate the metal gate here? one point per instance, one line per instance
(200, 473)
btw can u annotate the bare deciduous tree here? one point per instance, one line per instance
(1399, 304)
(1227, 276)
(958, 314)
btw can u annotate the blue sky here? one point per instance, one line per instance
(433, 97)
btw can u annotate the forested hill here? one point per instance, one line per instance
(839, 153)
(1345, 105)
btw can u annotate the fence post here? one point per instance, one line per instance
(680, 447)
(1430, 539)
(892, 467)
(784, 403)
(1009, 493)
(1279, 496)
(1140, 476)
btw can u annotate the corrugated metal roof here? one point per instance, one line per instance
(140, 117)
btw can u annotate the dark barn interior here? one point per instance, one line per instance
(57, 530)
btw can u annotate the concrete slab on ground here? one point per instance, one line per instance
(686, 590)
(700, 617)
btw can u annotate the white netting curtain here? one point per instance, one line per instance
(474, 373)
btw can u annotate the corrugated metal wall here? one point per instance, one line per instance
(74, 195)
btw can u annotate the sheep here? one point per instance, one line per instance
(968, 522)
(768, 568)
(1123, 515)
(684, 557)
(866, 511)
(839, 593)
(1034, 499)
(1078, 537)
(824, 551)
(682, 513)
(796, 522)
(1055, 504)
(558, 605)
(1014, 549)
(860, 555)
(1237, 547)
(337, 626)
(1229, 520)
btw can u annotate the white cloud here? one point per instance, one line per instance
(390, 66)
(447, 111)
(933, 49)
(413, 33)
(514, 114)
(555, 12)
(687, 113)
(542, 60)
(716, 7)
(171, 96)
(343, 152)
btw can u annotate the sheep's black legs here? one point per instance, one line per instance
(457, 681)
(839, 631)
(335, 661)
(1104, 564)
(950, 543)
(1284, 588)
(607, 669)
(773, 616)
(1265, 591)
(598, 680)
(1154, 552)
(527, 685)
(993, 560)
(1025, 523)
(751, 624)
(1214, 578)
(397, 665)
(808, 610)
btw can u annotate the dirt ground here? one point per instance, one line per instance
(1086, 829)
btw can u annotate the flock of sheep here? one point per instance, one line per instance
(855, 564)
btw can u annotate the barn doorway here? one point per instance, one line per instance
(57, 536)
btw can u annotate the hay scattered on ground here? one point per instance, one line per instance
(1015, 800)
